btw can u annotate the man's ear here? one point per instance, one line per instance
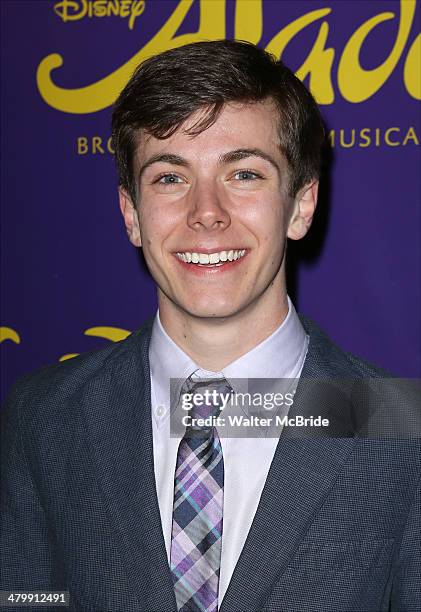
(130, 216)
(303, 211)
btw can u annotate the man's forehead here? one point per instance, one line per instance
(242, 123)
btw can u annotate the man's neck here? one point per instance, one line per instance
(213, 343)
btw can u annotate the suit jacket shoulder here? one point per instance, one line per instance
(41, 393)
(336, 361)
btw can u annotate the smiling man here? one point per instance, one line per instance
(218, 150)
(214, 211)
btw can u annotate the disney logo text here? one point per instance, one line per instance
(72, 10)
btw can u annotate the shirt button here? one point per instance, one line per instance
(160, 411)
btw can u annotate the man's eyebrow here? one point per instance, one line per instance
(239, 154)
(226, 158)
(169, 158)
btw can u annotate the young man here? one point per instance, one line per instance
(218, 151)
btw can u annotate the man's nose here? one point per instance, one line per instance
(207, 208)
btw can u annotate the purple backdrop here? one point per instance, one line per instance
(67, 266)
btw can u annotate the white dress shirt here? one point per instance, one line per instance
(246, 459)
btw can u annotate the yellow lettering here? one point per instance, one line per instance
(391, 143)
(68, 356)
(96, 144)
(412, 69)
(102, 94)
(372, 136)
(62, 10)
(346, 145)
(331, 138)
(365, 135)
(115, 334)
(124, 8)
(318, 63)
(357, 84)
(100, 9)
(82, 145)
(248, 20)
(111, 8)
(109, 333)
(319, 66)
(7, 333)
(411, 135)
(138, 7)
(110, 145)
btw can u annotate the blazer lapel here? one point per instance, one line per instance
(303, 471)
(117, 408)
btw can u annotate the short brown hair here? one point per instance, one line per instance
(167, 88)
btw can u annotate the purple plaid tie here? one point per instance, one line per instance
(198, 505)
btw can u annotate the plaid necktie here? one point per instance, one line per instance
(198, 504)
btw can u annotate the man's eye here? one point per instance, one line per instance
(169, 179)
(246, 175)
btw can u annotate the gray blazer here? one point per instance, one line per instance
(337, 528)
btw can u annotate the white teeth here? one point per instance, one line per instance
(211, 258)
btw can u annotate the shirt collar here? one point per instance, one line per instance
(281, 355)
(276, 357)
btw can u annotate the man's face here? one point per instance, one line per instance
(213, 213)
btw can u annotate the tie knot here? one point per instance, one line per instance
(206, 398)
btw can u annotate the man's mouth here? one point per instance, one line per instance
(217, 258)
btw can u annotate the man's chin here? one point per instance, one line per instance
(211, 311)
(204, 307)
